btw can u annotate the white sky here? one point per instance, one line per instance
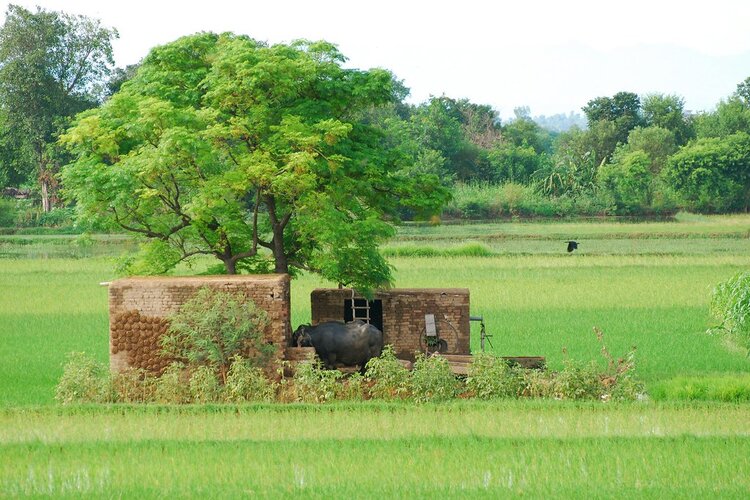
(550, 55)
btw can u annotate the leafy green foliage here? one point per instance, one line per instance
(247, 383)
(314, 384)
(52, 66)
(711, 174)
(630, 181)
(491, 377)
(387, 377)
(214, 326)
(84, 380)
(224, 146)
(172, 387)
(730, 304)
(133, 386)
(204, 385)
(432, 379)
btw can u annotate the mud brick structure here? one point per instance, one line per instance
(139, 309)
(400, 314)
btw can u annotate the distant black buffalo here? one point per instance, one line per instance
(335, 343)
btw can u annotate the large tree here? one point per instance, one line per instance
(712, 173)
(620, 113)
(52, 66)
(668, 112)
(222, 145)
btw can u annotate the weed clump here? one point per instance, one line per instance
(247, 383)
(730, 304)
(84, 380)
(432, 379)
(387, 377)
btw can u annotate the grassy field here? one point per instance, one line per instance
(648, 292)
(643, 284)
(467, 449)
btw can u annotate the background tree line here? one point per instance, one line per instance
(636, 155)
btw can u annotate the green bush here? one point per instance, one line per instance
(204, 386)
(84, 380)
(172, 387)
(387, 377)
(314, 384)
(133, 385)
(247, 383)
(730, 304)
(490, 377)
(432, 379)
(352, 388)
(214, 326)
(577, 380)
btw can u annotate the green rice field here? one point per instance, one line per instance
(644, 284)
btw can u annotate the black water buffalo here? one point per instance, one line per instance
(336, 343)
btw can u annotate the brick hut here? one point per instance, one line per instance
(403, 315)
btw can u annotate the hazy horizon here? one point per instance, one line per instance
(550, 57)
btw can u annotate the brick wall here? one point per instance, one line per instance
(139, 308)
(404, 315)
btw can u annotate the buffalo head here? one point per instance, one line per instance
(301, 337)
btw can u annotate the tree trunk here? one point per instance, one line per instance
(279, 256)
(231, 266)
(44, 185)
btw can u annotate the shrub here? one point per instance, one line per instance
(432, 379)
(387, 377)
(84, 380)
(314, 384)
(577, 380)
(246, 383)
(214, 326)
(172, 387)
(535, 383)
(730, 304)
(204, 386)
(352, 388)
(133, 385)
(491, 377)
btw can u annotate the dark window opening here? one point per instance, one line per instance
(360, 312)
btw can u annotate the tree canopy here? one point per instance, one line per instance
(52, 65)
(222, 145)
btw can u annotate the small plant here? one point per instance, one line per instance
(730, 304)
(387, 377)
(577, 380)
(84, 380)
(133, 385)
(172, 386)
(432, 379)
(204, 386)
(246, 383)
(213, 327)
(352, 388)
(535, 383)
(490, 377)
(619, 381)
(315, 384)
